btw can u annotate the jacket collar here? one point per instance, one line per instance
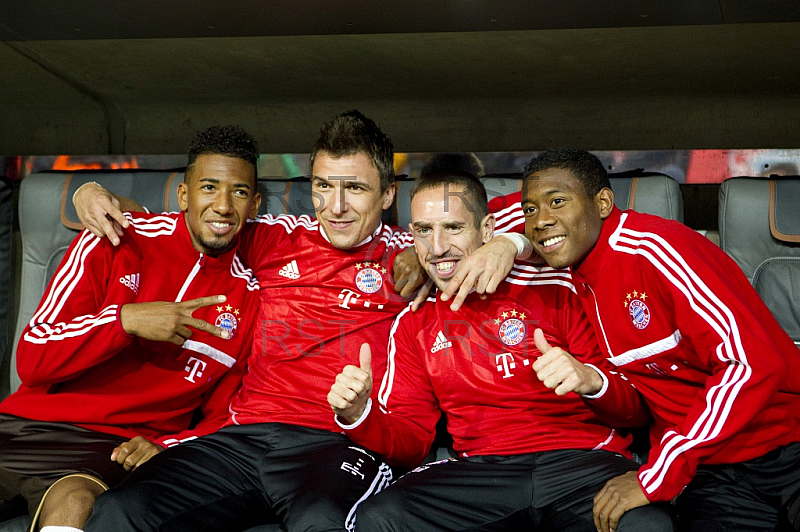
(367, 240)
(594, 265)
(186, 248)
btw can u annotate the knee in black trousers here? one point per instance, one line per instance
(326, 515)
(657, 517)
(113, 512)
(378, 512)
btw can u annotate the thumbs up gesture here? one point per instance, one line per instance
(351, 390)
(560, 371)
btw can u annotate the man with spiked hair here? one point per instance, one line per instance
(129, 342)
(326, 286)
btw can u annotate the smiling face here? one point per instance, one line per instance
(217, 196)
(445, 232)
(561, 220)
(347, 196)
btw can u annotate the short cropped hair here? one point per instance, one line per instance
(465, 162)
(232, 141)
(584, 166)
(473, 196)
(350, 133)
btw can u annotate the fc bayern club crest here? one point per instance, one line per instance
(368, 278)
(512, 331)
(638, 311)
(227, 320)
(511, 327)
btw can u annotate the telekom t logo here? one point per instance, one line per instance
(195, 367)
(505, 363)
(348, 295)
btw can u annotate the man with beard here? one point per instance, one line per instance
(529, 458)
(129, 342)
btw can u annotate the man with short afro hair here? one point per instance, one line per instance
(232, 141)
(680, 320)
(125, 351)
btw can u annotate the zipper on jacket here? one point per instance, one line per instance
(199, 264)
(599, 321)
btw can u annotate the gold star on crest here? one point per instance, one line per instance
(383, 271)
(358, 266)
(376, 265)
(219, 309)
(514, 312)
(522, 315)
(228, 308)
(236, 311)
(504, 315)
(497, 321)
(633, 295)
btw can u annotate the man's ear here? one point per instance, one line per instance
(183, 201)
(605, 202)
(487, 228)
(388, 196)
(256, 204)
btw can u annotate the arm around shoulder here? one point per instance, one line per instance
(101, 211)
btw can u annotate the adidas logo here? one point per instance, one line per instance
(441, 343)
(290, 270)
(131, 281)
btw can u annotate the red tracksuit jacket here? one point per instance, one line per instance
(318, 305)
(678, 317)
(78, 365)
(476, 366)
